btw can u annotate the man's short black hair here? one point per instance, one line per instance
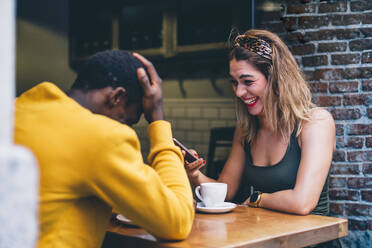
(110, 68)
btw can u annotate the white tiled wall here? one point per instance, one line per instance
(192, 120)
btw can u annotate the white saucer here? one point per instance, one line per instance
(125, 220)
(220, 208)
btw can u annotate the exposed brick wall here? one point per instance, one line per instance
(332, 42)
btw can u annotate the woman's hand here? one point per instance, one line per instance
(247, 201)
(192, 168)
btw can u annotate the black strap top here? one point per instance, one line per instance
(281, 176)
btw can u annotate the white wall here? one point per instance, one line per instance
(18, 172)
(192, 120)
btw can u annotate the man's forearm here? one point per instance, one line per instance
(167, 160)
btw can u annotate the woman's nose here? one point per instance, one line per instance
(239, 90)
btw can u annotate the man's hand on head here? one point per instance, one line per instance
(152, 90)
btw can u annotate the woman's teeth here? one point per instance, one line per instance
(251, 100)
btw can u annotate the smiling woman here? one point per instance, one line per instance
(286, 88)
(283, 144)
(249, 86)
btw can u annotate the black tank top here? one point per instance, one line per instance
(281, 176)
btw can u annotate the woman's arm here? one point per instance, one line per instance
(232, 171)
(317, 141)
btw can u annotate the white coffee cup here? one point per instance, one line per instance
(211, 194)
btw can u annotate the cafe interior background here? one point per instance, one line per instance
(187, 42)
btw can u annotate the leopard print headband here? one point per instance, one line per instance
(254, 44)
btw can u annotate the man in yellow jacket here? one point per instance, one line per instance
(89, 156)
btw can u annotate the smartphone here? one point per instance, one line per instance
(189, 156)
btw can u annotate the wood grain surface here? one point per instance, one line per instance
(243, 227)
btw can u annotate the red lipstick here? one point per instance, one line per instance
(251, 105)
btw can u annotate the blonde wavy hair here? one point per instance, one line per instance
(287, 97)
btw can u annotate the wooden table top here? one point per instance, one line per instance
(243, 227)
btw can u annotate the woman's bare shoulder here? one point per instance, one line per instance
(320, 126)
(319, 116)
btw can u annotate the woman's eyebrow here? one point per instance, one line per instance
(241, 76)
(245, 75)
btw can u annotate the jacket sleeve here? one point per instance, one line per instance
(158, 198)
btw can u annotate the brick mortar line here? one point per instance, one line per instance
(333, 27)
(358, 149)
(346, 13)
(317, 42)
(336, 53)
(347, 66)
(341, 52)
(350, 176)
(336, 81)
(361, 119)
(360, 107)
(329, 56)
(354, 176)
(344, 93)
(347, 163)
(367, 203)
(364, 148)
(341, 94)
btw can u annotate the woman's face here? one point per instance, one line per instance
(249, 84)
